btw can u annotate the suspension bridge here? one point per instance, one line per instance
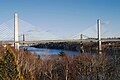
(29, 34)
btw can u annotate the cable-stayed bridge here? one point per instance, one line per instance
(32, 34)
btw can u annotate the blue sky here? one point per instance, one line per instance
(64, 17)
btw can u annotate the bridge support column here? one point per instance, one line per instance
(16, 44)
(99, 37)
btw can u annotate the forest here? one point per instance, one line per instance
(24, 65)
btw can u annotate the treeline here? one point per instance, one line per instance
(59, 45)
(89, 47)
(30, 66)
(73, 46)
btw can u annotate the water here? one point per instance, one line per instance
(44, 51)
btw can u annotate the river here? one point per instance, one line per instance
(43, 51)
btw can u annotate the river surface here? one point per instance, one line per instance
(43, 51)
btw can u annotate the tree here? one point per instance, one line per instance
(8, 66)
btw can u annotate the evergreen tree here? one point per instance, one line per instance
(8, 66)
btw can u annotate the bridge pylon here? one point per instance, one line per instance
(16, 43)
(99, 37)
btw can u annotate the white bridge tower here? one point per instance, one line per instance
(16, 43)
(99, 36)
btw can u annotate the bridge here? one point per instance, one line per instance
(29, 34)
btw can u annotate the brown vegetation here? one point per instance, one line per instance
(65, 67)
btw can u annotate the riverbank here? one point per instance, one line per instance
(89, 47)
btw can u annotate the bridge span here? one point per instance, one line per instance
(55, 41)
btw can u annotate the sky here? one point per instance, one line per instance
(65, 17)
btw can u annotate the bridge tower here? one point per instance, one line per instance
(23, 39)
(16, 43)
(99, 37)
(81, 36)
